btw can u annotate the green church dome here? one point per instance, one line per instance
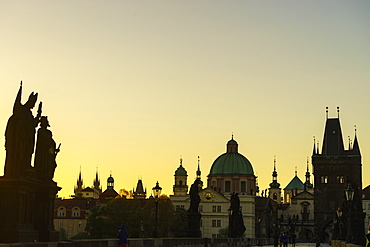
(110, 179)
(232, 162)
(181, 171)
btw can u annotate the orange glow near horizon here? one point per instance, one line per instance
(131, 87)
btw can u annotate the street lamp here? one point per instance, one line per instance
(349, 196)
(156, 192)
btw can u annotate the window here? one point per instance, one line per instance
(243, 186)
(200, 208)
(61, 212)
(274, 196)
(180, 182)
(76, 212)
(227, 186)
(216, 223)
(213, 209)
(60, 223)
(179, 207)
(340, 179)
(324, 179)
(216, 209)
(368, 206)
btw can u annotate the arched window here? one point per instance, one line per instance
(274, 196)
(61, 212)
(76, 212)
(180, 182)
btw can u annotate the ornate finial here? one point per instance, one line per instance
(180, 160)
(296, 170)
(232, 135)
(21, 82)
(355, 129)
(327, 112)
(274, 162)
(110, 172)
(307, 163)
(338, 110)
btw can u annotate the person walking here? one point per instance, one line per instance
(122, 235)
(293, 237)
(318, 242)
(286, 239)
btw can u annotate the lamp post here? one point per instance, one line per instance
(349, 196)
(157, 192)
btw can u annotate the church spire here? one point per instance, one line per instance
(198, 171)
(314, 146)
(79, 186)
(356, 147)
(274, 183)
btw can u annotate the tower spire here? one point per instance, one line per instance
(314, 146)
(356, 147)
(198, 171)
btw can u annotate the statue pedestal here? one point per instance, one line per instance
(26, 210)
(194, 225)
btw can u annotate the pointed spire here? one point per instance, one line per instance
(198, 171)
(317, 148)
(356, 147)
(314, 146)
(274, 183)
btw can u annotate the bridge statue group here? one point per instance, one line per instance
(27, 192)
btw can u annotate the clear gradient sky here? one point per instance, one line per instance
(130, 86)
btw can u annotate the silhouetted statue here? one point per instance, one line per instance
(194, 196)
(236, 223)
(46, 151)
(20, 135)
(28, 191)
(193, 214)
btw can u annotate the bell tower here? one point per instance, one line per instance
(275, 190)
(180, 187)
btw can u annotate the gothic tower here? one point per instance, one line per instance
(79, 186)
(275, 190)
(180, 187)
(333, 169)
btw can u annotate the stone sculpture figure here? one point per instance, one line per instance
(20, 136)
(193, 214)
(236, 223)
(194, 196)
(46, 151)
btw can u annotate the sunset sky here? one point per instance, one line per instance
(132, 86)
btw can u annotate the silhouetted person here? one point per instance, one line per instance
(46, 151)
(317, 240)
(20, 135)
(293, 237)
(122, 236)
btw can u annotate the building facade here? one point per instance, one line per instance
(230, 173)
